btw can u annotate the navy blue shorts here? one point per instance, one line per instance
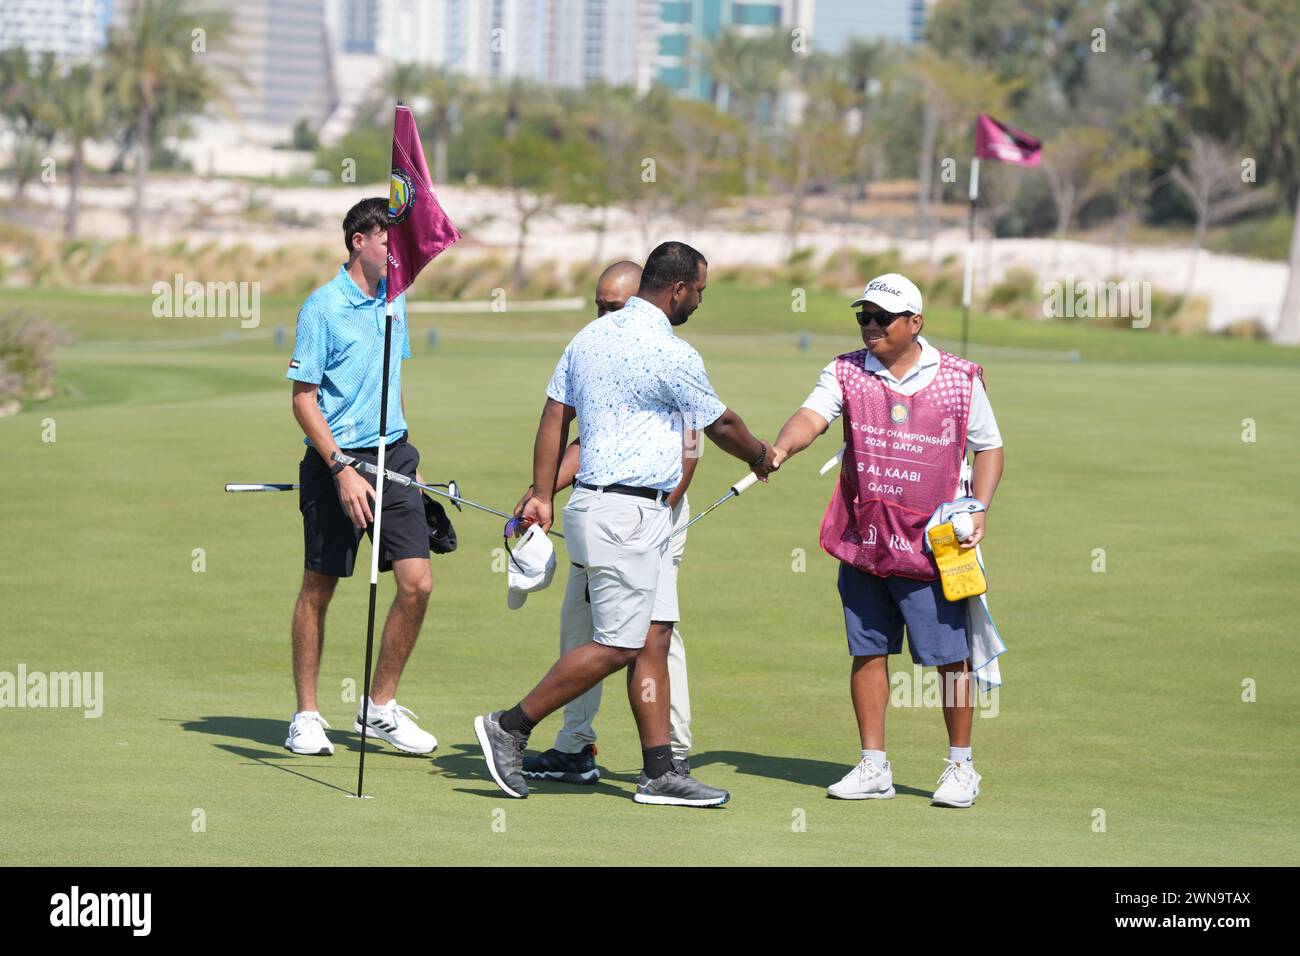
(876, 608)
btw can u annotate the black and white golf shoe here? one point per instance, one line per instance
(392, 722)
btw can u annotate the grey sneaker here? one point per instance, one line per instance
(504, 753)
(678, 790)
(683, 766)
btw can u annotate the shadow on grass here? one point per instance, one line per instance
(800, 770)
(269, 732)
(263, 730)
(465, 762)
(269, 759)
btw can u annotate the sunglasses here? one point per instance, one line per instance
(516, 526)
(882, 319)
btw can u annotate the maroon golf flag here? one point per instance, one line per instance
(994, 140)
(418, 229)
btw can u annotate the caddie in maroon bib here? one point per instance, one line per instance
(902, 459)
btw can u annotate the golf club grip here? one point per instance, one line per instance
(835, 460)
(233, 487)
(745, 483)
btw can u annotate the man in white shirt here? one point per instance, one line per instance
(633, 387)
(911, 413)
(573, 758)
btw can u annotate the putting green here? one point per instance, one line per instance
(1121, 735)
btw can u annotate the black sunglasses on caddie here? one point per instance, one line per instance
(882, 318)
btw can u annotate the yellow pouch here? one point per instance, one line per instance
(959, 570)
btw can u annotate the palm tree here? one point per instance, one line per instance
(815, 154)
(746, 72)
(156, 74)
(447, 90)
(75, 107)
(22, 86)
(434, 89)
(868, 65)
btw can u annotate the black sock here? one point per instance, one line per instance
(515, 721)
(657, 760)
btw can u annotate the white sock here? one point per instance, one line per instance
(877, 757)
(959, 755)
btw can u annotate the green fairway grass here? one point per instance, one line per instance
(1121, 734)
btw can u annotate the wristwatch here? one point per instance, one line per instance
(337, 468)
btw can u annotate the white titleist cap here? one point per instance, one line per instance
(893, 293)
(532, 565)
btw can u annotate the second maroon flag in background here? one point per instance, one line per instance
(418, 229)
(994, 140)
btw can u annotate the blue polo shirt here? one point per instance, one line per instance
(339, 345)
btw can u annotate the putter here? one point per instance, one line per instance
(232, 487)
(452, 491)
(739, 488)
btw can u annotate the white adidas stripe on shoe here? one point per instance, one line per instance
(392, 722)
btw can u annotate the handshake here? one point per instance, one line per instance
(769, 462)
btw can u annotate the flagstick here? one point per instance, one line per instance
(970, 255)
(375, 541)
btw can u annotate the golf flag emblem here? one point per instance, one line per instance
(401, 196)
(418, 229)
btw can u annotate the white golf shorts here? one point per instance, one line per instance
(622, 544)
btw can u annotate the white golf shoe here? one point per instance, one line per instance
(958, 786)
(866, 781)
(392, 722)
(307, 735)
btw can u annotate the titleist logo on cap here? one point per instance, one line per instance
(878, 285)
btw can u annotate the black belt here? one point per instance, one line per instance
(626, 490)
(375, 451)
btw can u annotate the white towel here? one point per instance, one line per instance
(986, 644)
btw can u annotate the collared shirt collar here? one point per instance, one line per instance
(929, 357)
(357, 295)
(649, 309)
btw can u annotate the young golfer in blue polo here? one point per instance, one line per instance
(336, 374)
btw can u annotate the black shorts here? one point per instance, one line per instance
(330, 537)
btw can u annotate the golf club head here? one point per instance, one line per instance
(454, 489)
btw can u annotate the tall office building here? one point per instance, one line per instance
(282, 51)
(831, 24)
(687, 25)
(592, 41)
(66, 28)
(554, 42)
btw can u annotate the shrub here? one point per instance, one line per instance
(27, 348)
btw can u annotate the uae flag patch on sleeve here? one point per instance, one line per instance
(293, 364)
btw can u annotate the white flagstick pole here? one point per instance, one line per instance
(970, 254)
(375, 543)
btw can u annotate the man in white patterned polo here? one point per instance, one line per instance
(573, 758)
(633, 387)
